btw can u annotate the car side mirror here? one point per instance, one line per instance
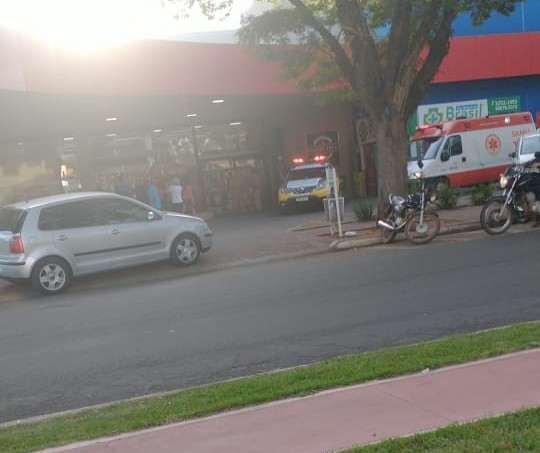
(420, 163)
(513, 155)
(445, 155)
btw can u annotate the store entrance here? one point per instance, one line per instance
(233, 185)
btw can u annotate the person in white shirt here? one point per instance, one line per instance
(175, 193)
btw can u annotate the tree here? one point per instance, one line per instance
(382, 54)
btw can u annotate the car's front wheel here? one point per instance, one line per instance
(185, 250)
(51, 275)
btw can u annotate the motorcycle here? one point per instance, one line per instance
(409, 215)
(519, 183)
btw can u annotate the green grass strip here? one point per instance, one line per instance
(515, 432)
(194, 402)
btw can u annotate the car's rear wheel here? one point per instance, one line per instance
(185, 250)
(51, 275)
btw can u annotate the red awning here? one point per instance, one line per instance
(186, 68)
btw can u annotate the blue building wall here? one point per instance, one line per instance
(525, 18)
(527, 88)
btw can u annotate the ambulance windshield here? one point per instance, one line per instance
(428, 148)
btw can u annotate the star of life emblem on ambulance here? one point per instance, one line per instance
(493, 144)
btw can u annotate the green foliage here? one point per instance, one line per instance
(514, 432)
(447, 196)
(482, 192)
(326, 45)
(414, 187)
(322, 27)
(363, 210)
(212, 9)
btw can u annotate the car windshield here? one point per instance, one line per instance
(427, 148)
(306, 173)
(10, 219)
(530, 145)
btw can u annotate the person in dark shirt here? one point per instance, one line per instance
(123, 187)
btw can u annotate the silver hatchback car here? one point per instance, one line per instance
(50, 240)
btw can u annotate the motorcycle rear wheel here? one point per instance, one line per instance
(388, 235)
(495, 219)
(422, 233)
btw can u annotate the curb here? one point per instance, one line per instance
(346, 244)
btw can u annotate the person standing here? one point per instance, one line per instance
(187, 197)
(153, 194)
(141, 187)
(175, 193)
(123, 187)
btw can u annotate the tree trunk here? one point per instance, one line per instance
(392, 153)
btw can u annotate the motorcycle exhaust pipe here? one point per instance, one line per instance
(385, 225)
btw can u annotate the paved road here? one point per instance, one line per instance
(94, 346)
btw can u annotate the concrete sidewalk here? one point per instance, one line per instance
(350, 416)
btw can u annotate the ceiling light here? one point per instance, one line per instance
(112, 118)
(235, 123)
(68, 139)
(157, 130)
(191, 115)
(111, 135)
(218, 101)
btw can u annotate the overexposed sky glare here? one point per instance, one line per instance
(96, 24)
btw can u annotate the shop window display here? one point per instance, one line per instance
(29, 170)
(234, 185)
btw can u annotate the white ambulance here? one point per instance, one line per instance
(470, 151)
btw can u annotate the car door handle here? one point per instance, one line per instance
(115, 231)
(62, 237)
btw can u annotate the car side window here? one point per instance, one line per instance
(76, 214)
(456, 148)
(117, 211)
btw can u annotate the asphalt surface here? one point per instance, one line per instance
(252, 238)
(323, 422)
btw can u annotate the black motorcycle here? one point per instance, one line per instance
(520, 184)
(409, 215)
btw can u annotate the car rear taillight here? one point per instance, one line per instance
(16, 245)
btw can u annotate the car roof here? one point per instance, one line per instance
(53, 199)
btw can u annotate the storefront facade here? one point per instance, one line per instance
(234, 160)
(212, 114)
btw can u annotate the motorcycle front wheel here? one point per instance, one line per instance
(495, 218)
(422, 232)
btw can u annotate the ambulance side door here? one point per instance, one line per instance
(452, 154)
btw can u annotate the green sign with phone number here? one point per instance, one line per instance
(510, 104)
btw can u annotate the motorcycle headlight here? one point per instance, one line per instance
(433, 197)
(503, 182)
